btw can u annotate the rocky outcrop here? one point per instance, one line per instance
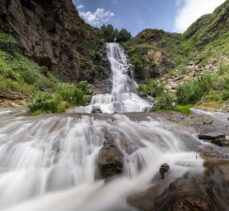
(51, 33)
(111, 159)
(152, 52)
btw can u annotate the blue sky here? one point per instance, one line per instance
(136, 15)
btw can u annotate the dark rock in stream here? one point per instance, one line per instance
(208, 191)
(212, 136)
(111, 159)
(164, 170)
(217, 138)
(96, 110)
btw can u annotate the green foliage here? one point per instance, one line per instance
(151, 87)
(184, 109)
(110, 34)
(123, 35)
(8, 43)
(19, 74)
(42, 102)
(10, 86)
(165, 102)
(66, 95)
(193, 91)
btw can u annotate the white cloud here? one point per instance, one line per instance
(190, 10)
(97, 18)
(80, 7)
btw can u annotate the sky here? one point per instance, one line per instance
(136, 15)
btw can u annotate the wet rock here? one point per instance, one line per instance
(220, 142)
(212, 136)
(217, 138)
(164, 170)
(111, 159)
(96, 110)
(146, 109)
(202, 192)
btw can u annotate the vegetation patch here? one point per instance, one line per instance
(65, 96)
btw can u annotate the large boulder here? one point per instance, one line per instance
(111, 159)
(202, 192)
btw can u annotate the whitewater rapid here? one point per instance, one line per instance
(50, 163)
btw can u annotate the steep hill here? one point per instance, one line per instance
(51, 33)
(155, 52)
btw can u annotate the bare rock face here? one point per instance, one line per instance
(111, 159)
(51, 33)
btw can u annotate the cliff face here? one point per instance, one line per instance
(51, 33)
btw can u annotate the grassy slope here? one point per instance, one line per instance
(21, 78)
(206, 39)
(18, 75)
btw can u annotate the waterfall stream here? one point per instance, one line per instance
(123, 97)
(50, 162)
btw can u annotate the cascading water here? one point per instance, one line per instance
(50, 162)
(123, 97)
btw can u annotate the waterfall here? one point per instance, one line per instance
(123, 97)
(51, 162)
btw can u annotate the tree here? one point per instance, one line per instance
(109, 33)
(123, 36)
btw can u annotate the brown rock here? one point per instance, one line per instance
(111, 159)
(51, 33)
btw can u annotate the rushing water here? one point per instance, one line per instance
(123, 97)
(50, 162)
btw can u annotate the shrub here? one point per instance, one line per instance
(192, 91)
(42, 102)
(8, 43)
(164, 102)
(65, 96)
(151, 87)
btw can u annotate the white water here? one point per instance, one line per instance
(123, 97)
(50, 163)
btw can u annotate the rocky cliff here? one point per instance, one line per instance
(51, 33)
(154, 52)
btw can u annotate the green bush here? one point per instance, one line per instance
(165, 102)
(151, 87)
(192, 91)
(42, 102)
(8, 43)
(65, 96)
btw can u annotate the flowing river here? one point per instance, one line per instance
(50, 163)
